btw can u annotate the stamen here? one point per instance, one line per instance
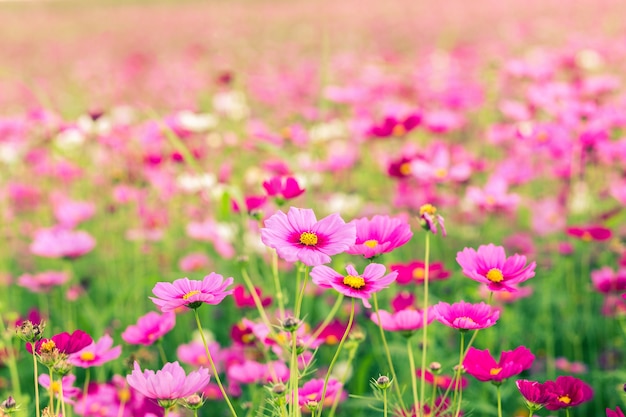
(308, 239)
(354, 282)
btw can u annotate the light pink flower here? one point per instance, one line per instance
(191, 293)
(70, 213)
(489, 265)
(70, 392)
(494, 196)
(379, 235)
(298, 236)
(59, 242)
(194, 262)
(354, 284)
(96, 354)
(43, 281)
(149, 328)
(407, 320)
(169, 383)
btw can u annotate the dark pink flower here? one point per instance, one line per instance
(482, 366)
(590, 233)
(63, 342)
(379, 235)
(243, 299)
(567, 391)
(489, 265)
(395, 126)
(614, 413)
(605, 280)
(298, 236)
(284, 188)
(149, 328)
(169, 383)
(353, 284)
(414, 272)
(188, 293)
(466, 316)
(534, 393)
(442, 381)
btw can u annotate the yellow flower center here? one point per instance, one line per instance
(491, 200)
(87, 356)
(405, 169)
(47, 346)
(354, 282)
(565, 399)
(495, 275)
(495, 371)
(55, 387)
(308, 239)
(123, 395)
(398, 130)
(371, 243)
(587, 237)
(441, 173)
(428, 209)
(419, 273)
(190, 294)
(332, 339)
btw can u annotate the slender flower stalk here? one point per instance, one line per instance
(257, 300)
(416, 403)
(280, 298)
(334, 360)
(351, 355)
(457, 382)
(387, 352)
(37, 409)
(499, 395)
(294, 376)
(213, 368)
(331, 315)
(425, 322)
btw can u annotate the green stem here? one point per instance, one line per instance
(280, 299)
(416, 402)
(161, 351)
(86, 388)
(293, 376)
(388, 353)
(32, 344)
(457, 382)
(213, 368)
(10, 361)
(334, 360)
(344, 377)
(425, 322)
(567, 412)
(384, 403)
(499, 400)
(301, 295)
(50, 391)
(257, 301)
(530, 413)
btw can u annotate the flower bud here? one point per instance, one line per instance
(291, 324)
(30, 332)
(312, 405)
(193, 402)
(435, 367)
(383, 382)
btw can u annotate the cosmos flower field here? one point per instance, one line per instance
(318, 208)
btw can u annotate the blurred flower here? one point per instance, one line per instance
(283, 188)
(441, 381)
(590, 233)
(565, 365)
(354, 285)
(466, 316)
(70, 213)
(405, 321)
(242, 299)
(58, 242)
(489, 265)
(70, 392)
(194, 354)
(191, 293)
(393, 125)
(614, 413)
(43, 282)
(429, 219)
(605, 280)
(312, 391)
(494, 196)
(567, 391)
(414, 272)
(195, 261)
(149, 328)
(379, 235)
(298, 236)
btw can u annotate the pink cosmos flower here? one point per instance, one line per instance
(59, 242)
(284, 188)
(379, 235)
(243, 299)
(70, 213)
(590, 233)
(563, 364)
(219, 234)
(605, 280)
(482, 366)
(70, 392)
(169, 383)
(489, 265)
(312, 391)
(194, 354)
(466, 316)
(149, 328)
(439, 166)
(534, 393)
(354, 285)
(567, 391)
(392, 125)
(494, 196)
(614, 413)
(96, 354)
(298, 236)
(195, 261)
(442, 381)
(429, 219)
(414, 272)
(188, 293)
(406, 321)
(44, 281)
(252, 372)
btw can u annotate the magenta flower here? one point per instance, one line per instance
(354, 285)
(614, 413)
(534, 393)
(243, 299)
(298, 236)
(489, 265)
(567, 391)
(149, 328)
(194, 354)
(414, 272)
(605, 280)
(168, 384)
(192, 294)
(58, 242)
(379, 235)
(312, 391)
(406, 321)
(590, 233)
(482, 366)
(283, 188)
(96, 354)
(466, 316)
(62, 342)
(44, 281)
